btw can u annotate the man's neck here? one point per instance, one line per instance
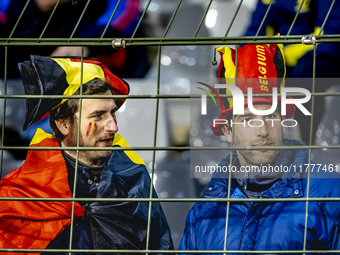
(93, 164)
(95, 169)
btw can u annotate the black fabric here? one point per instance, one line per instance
(85, 175)
(62, 24)
(127, 229)
(115, 225)
(81, 239)
(39, 80)
(280, 66)
(221, 77)
(31, 88)
(33, 22)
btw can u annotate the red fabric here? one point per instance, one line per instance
(256, 69)
(45, 115)
(119, 87)
(33, 224)
(254, 61)
(115, 60)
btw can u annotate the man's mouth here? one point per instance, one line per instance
(263, 144)
(106, 142)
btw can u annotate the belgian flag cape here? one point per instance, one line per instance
(34, 224)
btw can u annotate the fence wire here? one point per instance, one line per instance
(160, 42)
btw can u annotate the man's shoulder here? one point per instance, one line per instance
(119, 141)
(202, 210)
(216, 188)
(43, 139)
(324, 183)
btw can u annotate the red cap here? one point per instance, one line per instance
(259, 66)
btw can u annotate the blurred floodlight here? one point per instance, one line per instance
(210, 20)
(166, 60)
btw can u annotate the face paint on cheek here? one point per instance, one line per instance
(89, 129)
(94, 126)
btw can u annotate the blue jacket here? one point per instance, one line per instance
(268, 226)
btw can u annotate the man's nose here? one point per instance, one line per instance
(111, 125)
(263, 130)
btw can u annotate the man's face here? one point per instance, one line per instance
(270, 134)
(97, 129)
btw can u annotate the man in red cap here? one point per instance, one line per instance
(259, 172)
(87, 174)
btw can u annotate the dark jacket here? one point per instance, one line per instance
(98, 224)
(124, 62)
(299, 58)
(268, 226)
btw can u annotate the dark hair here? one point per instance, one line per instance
(67, 110)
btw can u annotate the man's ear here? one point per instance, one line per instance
(227, 132)
(64, 126)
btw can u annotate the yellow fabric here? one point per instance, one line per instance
(230, 70)
(120, 141)
(294, 52)
(305, 6)
(39, 136)
(73, 72)
(270, 31)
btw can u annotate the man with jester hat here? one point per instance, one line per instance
(268, 188)
(61, 171)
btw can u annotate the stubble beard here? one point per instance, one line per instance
(93, 157)
(260, 157)
(88, 157)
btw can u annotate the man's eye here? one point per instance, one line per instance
(97, 116)
(270, 116)
(246, 119)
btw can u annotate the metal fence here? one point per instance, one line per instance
(160, 42)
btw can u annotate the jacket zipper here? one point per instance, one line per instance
(246, 176)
